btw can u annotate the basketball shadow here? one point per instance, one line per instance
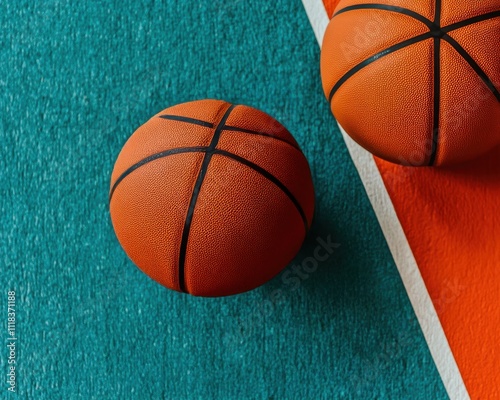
(354, 299)
(485, 169)
(465, 195)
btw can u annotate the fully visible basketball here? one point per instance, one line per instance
(211, 198)
(416, 82)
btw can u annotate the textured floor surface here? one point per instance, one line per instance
(76, 80)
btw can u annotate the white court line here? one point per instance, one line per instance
(397, 242)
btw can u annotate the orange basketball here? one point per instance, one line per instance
(416, 82)
(210, 198)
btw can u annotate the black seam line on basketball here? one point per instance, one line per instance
(474, 65)
(470, 21)
(375, 57)
(437, 13)
(437, 100)
(194, 197)
(153, 157)
(236, 129)
(437, 82)
(383, 7)
(187, 120)
(269, 177)
(421, 18)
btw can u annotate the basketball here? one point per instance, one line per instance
(210, 198)
(415, 82)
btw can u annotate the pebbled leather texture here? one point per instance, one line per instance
(252, 209)
(432, 102)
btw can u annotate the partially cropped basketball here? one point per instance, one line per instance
(415, 82)
(211, 198)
